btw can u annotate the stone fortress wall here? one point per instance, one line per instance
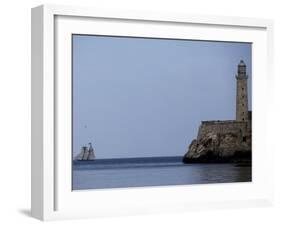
(230, 133)
(222, 127)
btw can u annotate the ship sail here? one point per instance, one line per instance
(86, 153)
(91, 155)
(82, 154)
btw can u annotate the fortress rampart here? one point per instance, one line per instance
(243, 128)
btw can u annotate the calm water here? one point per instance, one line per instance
(139, 172)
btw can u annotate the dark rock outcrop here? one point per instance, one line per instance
(215, 147)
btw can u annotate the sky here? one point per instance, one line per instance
(143, 97)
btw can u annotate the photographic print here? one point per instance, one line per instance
(159, 112)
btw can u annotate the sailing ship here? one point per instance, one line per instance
(86, 153)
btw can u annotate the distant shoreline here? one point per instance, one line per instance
(132, 160)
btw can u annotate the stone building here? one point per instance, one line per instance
(228, 140)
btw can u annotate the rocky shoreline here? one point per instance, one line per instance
(219, 148)
(240, 158)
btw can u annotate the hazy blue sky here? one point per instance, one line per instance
(135, 97)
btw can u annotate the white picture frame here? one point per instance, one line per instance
(52, 197)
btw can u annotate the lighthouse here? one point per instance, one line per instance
(241, 93)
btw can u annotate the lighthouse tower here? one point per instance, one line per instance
(242, 93)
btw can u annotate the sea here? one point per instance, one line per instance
(154, 171)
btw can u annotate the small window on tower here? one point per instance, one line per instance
(243, 119)
(244, 139)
